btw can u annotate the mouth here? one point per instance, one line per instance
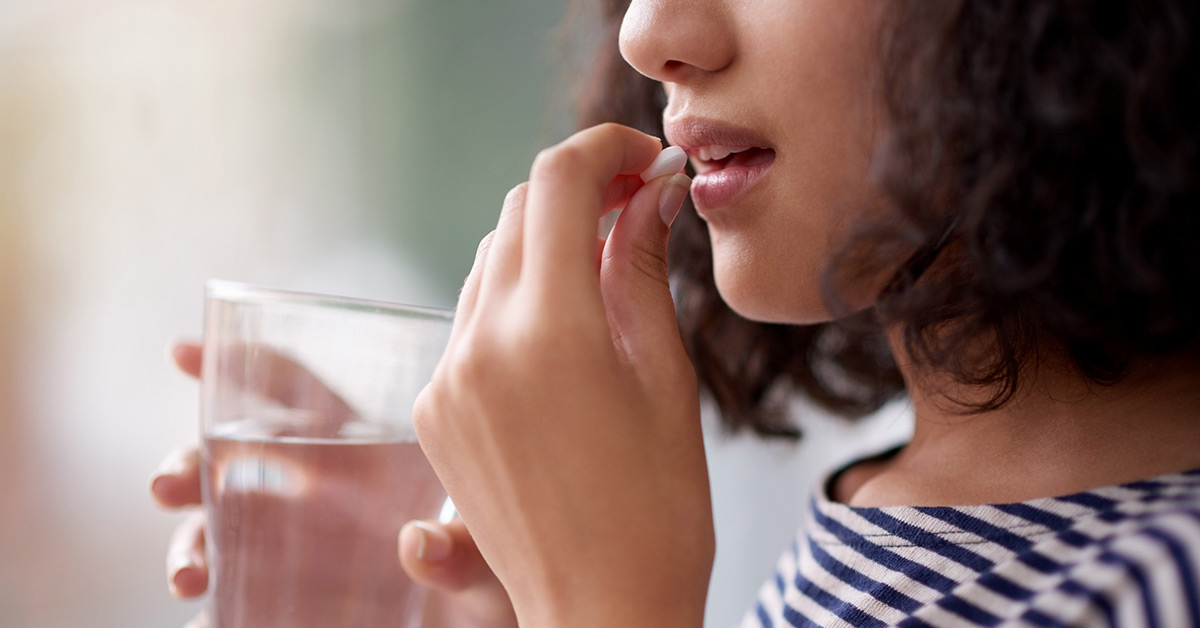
(707, 159)
(728, 160)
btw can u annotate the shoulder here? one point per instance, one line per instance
(1149, 540)
(1136, 564)
(1126, 556)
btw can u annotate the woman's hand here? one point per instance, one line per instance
(563, 418)
(464, 592)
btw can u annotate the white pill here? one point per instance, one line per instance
(669, 161)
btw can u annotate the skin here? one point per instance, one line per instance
(585, 448)
(799, 74)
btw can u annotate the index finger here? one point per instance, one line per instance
(566, 197)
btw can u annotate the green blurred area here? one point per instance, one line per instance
(452, 101)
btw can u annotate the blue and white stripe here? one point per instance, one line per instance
(1126, 556)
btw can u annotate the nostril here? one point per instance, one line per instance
(666, 43)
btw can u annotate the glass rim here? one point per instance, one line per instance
(245, 293)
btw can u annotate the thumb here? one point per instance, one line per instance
(444, 557)
(633, 271)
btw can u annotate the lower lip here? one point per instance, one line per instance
(719, 188)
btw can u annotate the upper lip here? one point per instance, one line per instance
(703, 138)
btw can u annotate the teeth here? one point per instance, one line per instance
(716, 153)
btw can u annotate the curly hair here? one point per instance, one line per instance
(1040, 170)
(1047, 149)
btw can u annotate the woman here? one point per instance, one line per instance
(1003, 192)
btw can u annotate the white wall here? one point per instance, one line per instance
(761, 489)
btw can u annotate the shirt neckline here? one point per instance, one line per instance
(1027, 519)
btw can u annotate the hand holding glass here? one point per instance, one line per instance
(310, 462)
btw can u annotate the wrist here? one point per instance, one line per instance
(620, 618)
(618, 611)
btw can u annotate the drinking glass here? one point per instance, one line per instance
(310, 462)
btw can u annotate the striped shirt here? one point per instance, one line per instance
(1125, 556)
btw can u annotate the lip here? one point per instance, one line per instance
(714, 186)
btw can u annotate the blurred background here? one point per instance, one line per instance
(357, 147)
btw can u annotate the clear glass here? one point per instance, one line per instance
(311, 465)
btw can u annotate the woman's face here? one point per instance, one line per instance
(788, 85)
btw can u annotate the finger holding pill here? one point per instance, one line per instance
(670, 161)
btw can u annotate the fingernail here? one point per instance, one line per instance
(185, 574)
(671, 159)
(174, 464)
(154, 480)
(670, 199)
(435, 544)
(181, 577)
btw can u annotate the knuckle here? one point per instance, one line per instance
(530, 342)
(516, 196)
(558, 161)
(616, 132)
(426, 413)
(470, 363)
(514, 205)
(609, 128)
(485, 243)
(422, 410)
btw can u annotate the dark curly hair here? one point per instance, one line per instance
(1040, 164)
(1050, 146)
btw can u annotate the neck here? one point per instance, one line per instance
(1060, 434)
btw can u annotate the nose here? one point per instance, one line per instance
(675, 41)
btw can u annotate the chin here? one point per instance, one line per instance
(760, 297)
